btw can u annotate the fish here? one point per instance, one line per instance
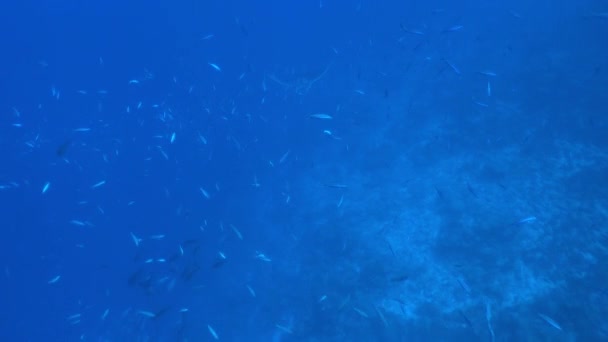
(489, 319)
(452, 66)
(453, 28)
(336, 186)
(412, 31)
(466, 319)
(205, 193)
(381, 316)
(136, 240)
(251, 291)
(409, 30)
(237, 232)
(202, 138)
(219, 261)
(189, 272)
(361, 312)
(212, 332)
(147, 313)
(550, 320)
(470, 188)
(284, 157)
(340, 201)
(400, 277)
(215, 66)
(321, 116)
(54, 279)
(78, 223)
(255, 183)
(488, 73)
(283, 328)
(73, 319)
(63, 148)
(464, 285)
(162, 311)
(438, 192)
(526, 220)
(46, 187)
(262, 256)
(98, 184)
(330, 134)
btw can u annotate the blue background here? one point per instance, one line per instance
(401, 218)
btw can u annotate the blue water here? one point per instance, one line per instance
(304, 171)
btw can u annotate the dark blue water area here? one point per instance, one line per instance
(304, 171)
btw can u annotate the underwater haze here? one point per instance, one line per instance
(318, 170)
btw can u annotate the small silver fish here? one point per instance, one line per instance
(454, 28)
(321, 116)
(527, 220)
(215, 66)
(212, 332)
(54, 279)
(550, 320)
